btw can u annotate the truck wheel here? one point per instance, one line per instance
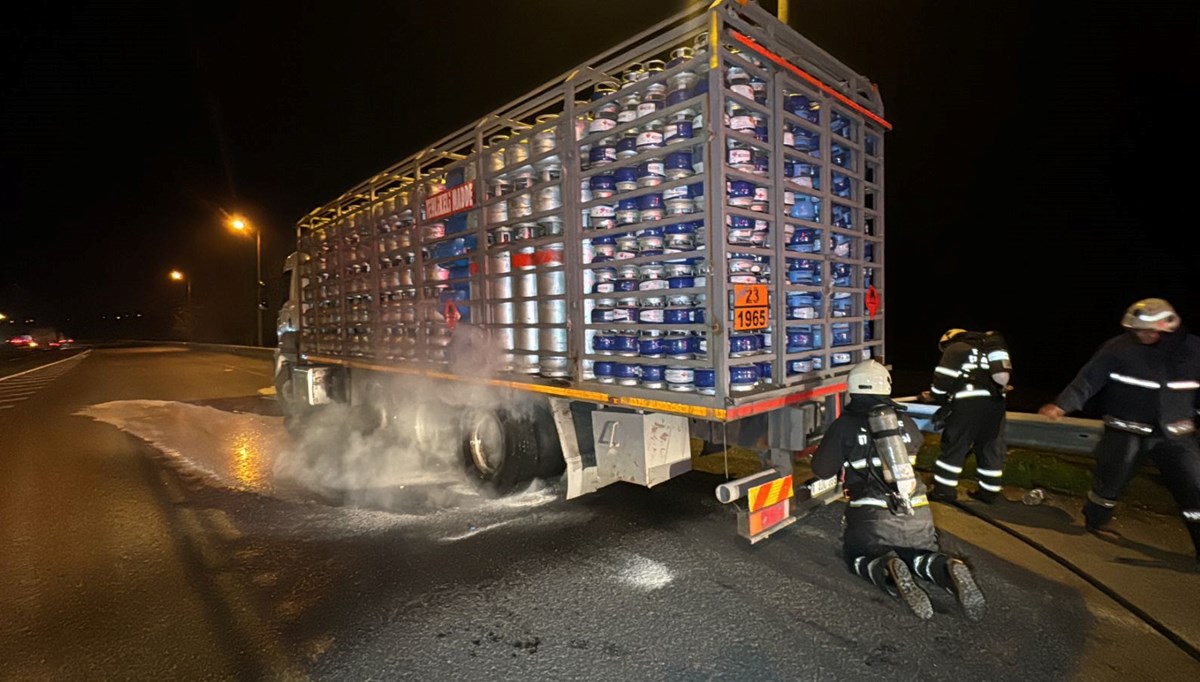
(288, 405)
(501, 451)
(375, 410)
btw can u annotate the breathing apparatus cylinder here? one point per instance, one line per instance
(887, 434)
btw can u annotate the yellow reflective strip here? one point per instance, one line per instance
(698, 411)
(663, 406)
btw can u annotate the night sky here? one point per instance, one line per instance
(1040, 177)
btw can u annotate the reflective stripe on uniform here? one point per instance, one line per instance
(949, 467)
(1191, 515)
(1096, 499)
(875, 461)
(945, 481)
(917, 501)
(1181, 427)
(1133, 381)
(973, 393)
(918, 563)
(988, 486)
(947, 371)
(868, 502)
(1183, 385)
(1126, 425)
(994, 473)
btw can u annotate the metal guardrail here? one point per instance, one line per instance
(250, 351)
(1069, 434)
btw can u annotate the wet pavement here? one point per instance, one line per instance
(1145, 560)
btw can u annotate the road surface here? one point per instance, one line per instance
(157, 522)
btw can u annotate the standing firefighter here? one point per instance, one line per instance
(969, 383)
(888, 536)
(1147, 381)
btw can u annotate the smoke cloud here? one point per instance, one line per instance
(399, 444)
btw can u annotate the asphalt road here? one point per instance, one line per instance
(148, 531)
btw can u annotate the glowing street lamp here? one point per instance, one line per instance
(178, 276)
(241, 225)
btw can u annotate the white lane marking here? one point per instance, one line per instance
(81, 356)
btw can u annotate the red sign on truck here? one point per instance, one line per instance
(456, 199)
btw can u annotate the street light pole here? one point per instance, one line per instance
(178, 276)
(260, 306)
(243, 226)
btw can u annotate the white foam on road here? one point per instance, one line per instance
(237, 450)
(472, 530)
(645, 574)
(253, 452)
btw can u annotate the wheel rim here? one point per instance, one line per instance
(425, 427)
(485, 442)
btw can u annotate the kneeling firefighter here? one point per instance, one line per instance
(888, 532)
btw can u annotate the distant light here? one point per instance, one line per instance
(118, 317)
(3, 317)
(176, 276)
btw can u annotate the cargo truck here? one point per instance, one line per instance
(681, 238)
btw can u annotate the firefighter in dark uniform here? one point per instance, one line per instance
(1147, 381)
(970, 382)
(888, 532)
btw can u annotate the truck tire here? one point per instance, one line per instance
(289, 407)
(500, 449)
(375, 409)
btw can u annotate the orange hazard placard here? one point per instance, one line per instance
(749, 307)
(746, 295)
(767, 494)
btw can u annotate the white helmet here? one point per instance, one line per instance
(869, 378)
(1151, 313)
(949, 337)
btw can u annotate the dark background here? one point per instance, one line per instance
(1040, 176)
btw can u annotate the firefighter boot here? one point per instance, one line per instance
(1097, 513)
(962, 584)
(890, 574)
(984, 496)
(902, 584)
(1194, 530)
(943, 493)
